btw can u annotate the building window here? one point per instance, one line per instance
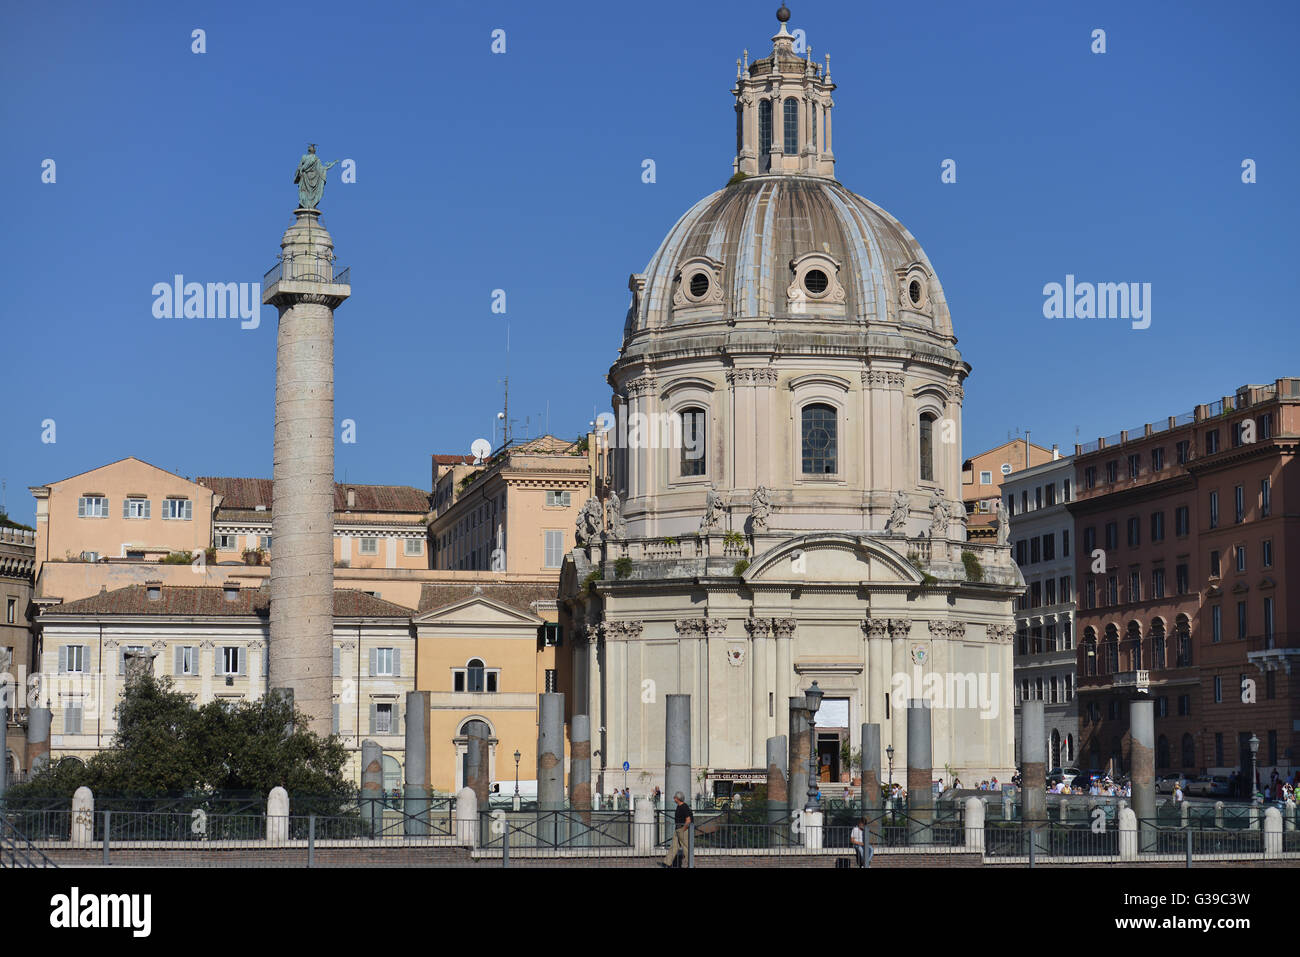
(135, 508)
(1090, 477)
(1265, 430)
(790, 131)
(1049, 546)
(764, 128)
(1157, 583)
(383, 718)
(1157, 526)
(72, 715)
(1182, 521)
(1214, 563)
(187, 660)
(92, 506)
(264, 542)
(74, 659)
(11, 611)
(413, 547)
(1241, 557)
(1181, 583)
(1065, 490)
(1184, 450)
(1091, 589)
(1184, 643)
(1268, 622)
(1265, 498)
(1050, 495)
(1241, 619)
(383, 662)
(557, 499)
(1214, 510)
(1211, 441)
(1158, 647)
(1112, 471)
(1035, 551)
(231, 660)
(178, 509)
(1266, 552)
(693, 457)
(475, 678)
(1134, 465)
(1066, 595)
(1134, 532)
(368, 546)
(1134, 586)
(1112, 590)
(554, 549)
(1218, 689)
(1239, 502)
(927, 447)
(1157, 459)
(986, 478)
(819, 441)
(1089, 539)
(1065, 543)
(1216, 624)
(1112, 536)
(226, 541)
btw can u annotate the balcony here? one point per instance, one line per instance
(306, 273)
(1274, 652)
(1132, 681)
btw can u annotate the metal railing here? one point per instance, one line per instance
(307, 267)
(17, 849)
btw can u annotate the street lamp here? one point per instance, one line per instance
(517, 756)
(813, 701)
(889, 752)
(1254, 751)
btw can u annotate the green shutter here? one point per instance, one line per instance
(374, 655)
(63, 659)
(335, 725)
(396, 726)
(243, 661)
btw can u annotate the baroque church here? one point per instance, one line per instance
(808, 525)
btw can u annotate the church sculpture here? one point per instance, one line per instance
(310, 177)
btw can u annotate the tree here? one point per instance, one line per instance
(164, 745)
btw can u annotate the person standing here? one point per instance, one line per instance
(681, 828)
(861, 847)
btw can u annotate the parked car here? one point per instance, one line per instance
(1199, 786)
(1062, 775)
(1218, 786)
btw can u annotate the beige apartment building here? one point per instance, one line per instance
(982, 476)
(516, 512)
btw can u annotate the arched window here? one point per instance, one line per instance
(1162, 752)
(927, 447)
(1135, 645)
(1111, 645)
(694, 450)
(819, 440)
(764, 128)
(474, 675)
(790, 129)
(1189, 751)
(1157, 644)
(1090, 651)
(1056, 748)
(1069, 748)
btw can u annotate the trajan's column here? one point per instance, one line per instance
(305, 288)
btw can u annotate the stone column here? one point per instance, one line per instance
(643, 825)
(778, 797)
(677, 747)
(870, 765)
(302, 509)
(277, 816)
(974, 825)
(1272, 832)
(550, 751)
(372, 784)
(1128, 843)
(477, 767)
(580, 765)
(1033, 776)
(416, 792)
(798, 777)
(38, 738)
(467, 831)
(6, 697)
(83, 816)
(1142, 730)
(920, 775)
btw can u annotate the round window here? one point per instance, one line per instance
(815, 282)
(914, 291)
(699, 285)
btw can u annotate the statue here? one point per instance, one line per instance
(1004, 525)
(897, 524)
(590, 522)
(712, 511)
(614, 511)
(310, 178)
(760, 507)
(938, 516)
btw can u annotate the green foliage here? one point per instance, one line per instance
(736, 178)
(926, 578)
(253, 556)
(740, 567)
(733, 538)
(468, 480)
(582, 446)
(164, 744)
(623, 567)
(589, 583)
(670, 541)
(974, 570)
(177, 558)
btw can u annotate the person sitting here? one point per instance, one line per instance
(861, 845)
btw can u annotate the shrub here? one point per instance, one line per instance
(623, 567)
(177, 558)
(974, 570)
(740, 567)
(589, 583)
(736, 178)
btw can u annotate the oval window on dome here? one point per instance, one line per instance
(816, 282)
(914, 291)
(699, 285)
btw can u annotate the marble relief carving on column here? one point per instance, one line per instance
(899, 627)
(784, 627)
(701, 627)
(947, 629)
(1000, 632)
(621, 630)
(758, 627)
(875, 627)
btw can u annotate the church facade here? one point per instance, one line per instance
(784, 501)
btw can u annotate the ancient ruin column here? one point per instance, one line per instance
(920, 774)
(580, 765)
(1142, 729)
(778, 797)
(1033, 777)
(870, 765)
(798, 794)
(372, 784)
(550, 751)
(302, 499)
(677, 747)
(38, 738)
(477, 767)
(416, 792)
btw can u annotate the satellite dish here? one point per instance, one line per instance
(481, 449)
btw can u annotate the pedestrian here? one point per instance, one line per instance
(861, 846)
(658, 795)
(681, 825)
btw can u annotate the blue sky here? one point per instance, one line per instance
(522, 172)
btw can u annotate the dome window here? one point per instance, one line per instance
(699, 285)
(914, 291)
(816, 282)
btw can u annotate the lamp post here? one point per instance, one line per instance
(1254, 751)
(813, 698)
(516, 804)
(889, 752)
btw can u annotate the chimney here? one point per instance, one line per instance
(1056, 451)
(352, 498)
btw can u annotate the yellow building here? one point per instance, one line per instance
(982, 476)
(485, 652)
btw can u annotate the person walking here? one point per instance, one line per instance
(681, 827)
(861, 846)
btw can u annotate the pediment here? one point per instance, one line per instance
(832, 558)
(477, 610)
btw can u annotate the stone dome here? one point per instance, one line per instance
(789, 248)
